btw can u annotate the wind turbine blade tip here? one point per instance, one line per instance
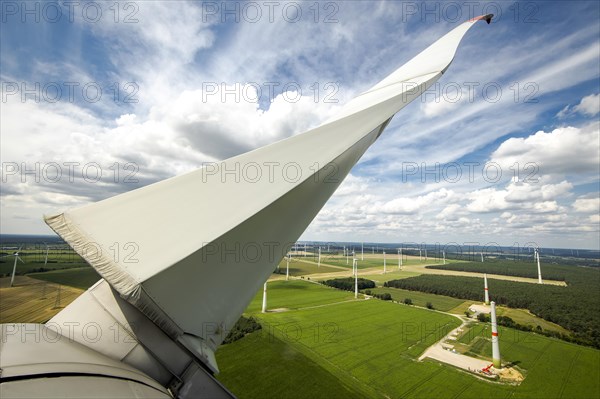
(487, 18)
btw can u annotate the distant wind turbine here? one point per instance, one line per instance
(46, 259)
(319, 263)
(362, 251)
(537, 255)
(384, 264)
(399, 259)
(17, 257)
(287, 270)
(444, 255)
(355, 275)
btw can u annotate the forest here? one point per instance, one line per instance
(347, 283)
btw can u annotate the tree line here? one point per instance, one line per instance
(347, 283)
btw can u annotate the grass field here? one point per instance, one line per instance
(367, 348)
(554, 369)
(296, 294)
(525, 317)
(299, 267)
(368, 262)
(34, 261)
(82, 278)
(321, 343)
(439, 302)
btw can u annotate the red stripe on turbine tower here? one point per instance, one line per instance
(495, 344)
(485, 289)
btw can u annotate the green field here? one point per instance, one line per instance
(300, 267)
(393, 275)
(33, 261)
(439, 302)
(391, 263)
(368, 348)
(320, 342)
(296, 294)
(553, 369)
(83, 277)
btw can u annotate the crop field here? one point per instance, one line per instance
(368, 348)
(296, 294)
(300, 267)
(439, 302)
(394, 274)
(33, 301)
(368, 262)
(82, 278)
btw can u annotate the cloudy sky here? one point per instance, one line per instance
(101, 98)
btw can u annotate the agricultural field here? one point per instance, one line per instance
(368, 348)
(297, 294)
(538, 357)
(439, 302)
(82, 278)
(370, 261)
(34, 261)
(33, 301)
(300, 267)
(525, 317)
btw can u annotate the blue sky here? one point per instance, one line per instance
(189, 82)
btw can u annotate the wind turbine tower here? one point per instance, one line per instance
(17, 257)
(537, 255)
(287, 270)
(444, 256)
(485, 288)
(355, 269)
(384, 264)
(319, 263)
(362, 251)
(481, 257)
(46, 258)
(264, 306)
(495, 344)
(399, 259)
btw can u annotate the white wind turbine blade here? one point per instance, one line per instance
(184, 275)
